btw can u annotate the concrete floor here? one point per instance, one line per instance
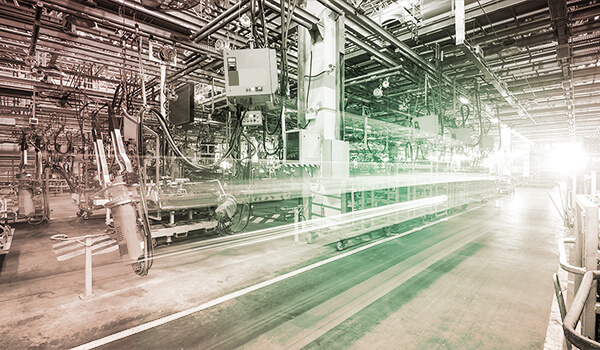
(480, 280)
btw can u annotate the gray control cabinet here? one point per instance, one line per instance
(250, 76)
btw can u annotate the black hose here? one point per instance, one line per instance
(465, 111)
(409, 148)
(143, 211)
(267, 123)
(264, 141)
(308, 89)
(183, 159)
(240, 229)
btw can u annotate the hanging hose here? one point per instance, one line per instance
(499, 135)
(183, 159)
(264, 141)
(465, 111)
(408, 146)
(146, 264)
(57, 146)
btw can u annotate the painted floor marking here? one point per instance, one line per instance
(112, 246)
(105, 245)
(164, 320)
(61, 243)
(65, 246)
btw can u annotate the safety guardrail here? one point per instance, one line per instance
(563, 257)
(574, 314)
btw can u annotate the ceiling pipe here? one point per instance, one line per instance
(160, 15)
(375, 28)
(376, 53)
(111, 20)
(374, 75)
(210, 30)
(405, 50)
(35, 32)
(235, 9)
(301, 16)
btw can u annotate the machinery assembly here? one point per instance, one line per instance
(349, 159)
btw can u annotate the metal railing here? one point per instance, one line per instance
(583, 262)
(582, 300)
(564, 264)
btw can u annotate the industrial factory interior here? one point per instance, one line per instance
(299, 174)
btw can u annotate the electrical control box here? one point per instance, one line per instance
(487, 143)
(252, 118)
(336, 159)
(429, 126)
(250, 76)
(303, 146)
(463, 134)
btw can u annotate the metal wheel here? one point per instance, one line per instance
(340, 245)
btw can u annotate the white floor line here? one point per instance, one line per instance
(72, 244)
(161, 321)
(60, 244)
(82, 250)
(107, 250)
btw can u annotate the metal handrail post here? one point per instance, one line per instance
(88, 269)
(560, 298)
(564, 264)
(87, 241)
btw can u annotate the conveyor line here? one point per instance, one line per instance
(344, 225)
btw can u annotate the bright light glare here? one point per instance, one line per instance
(494, 120)
(567, 157)
(464, 100)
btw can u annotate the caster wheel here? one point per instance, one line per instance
(387, 232)
(79, 213)
(154, 242)
(86, 215)
(311, 238)
(340, 246)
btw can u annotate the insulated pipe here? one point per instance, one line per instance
(35, 32)
(109, 19)
(358, 42)
(375, 75)
(218, 26)
(159, 15)
(212, 24)
(301, 16)
(369, 24)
